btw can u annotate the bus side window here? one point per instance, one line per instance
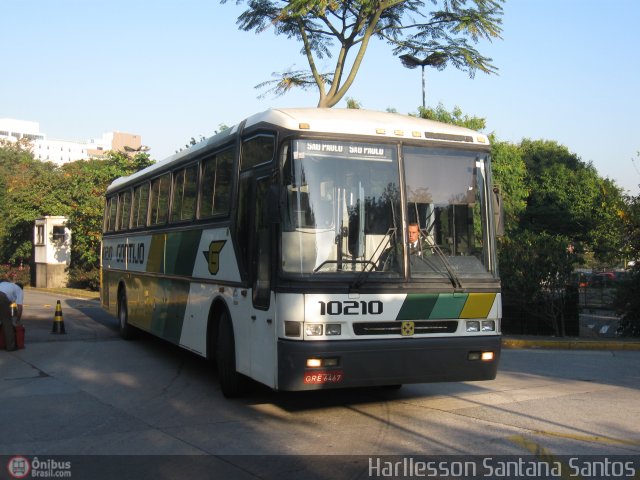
(184, 194)
(217, 176)
(125, 210)
(257, 150)
(160, 189)
(140, 205)
(111, 212)
(224, 181)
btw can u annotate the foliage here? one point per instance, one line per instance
(446, 32)
(627, 299)
(553, 203)
(567, 197)
(84, 183)
(535, 269)
(561, 205)
(27, 192)
(86, 279)
(21, 274)
(630, 219)
(627, 304)
(30, 189)
(455, 117)
(509, 175)
(353, 104)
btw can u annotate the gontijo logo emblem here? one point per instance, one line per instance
(213, 255)
(408, 328)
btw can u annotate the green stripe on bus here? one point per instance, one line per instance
(168, 314)
(435, 306)
(449, 305)
(417, 306)
(181, 252)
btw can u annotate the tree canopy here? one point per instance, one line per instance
(444, 31)
(30, 189)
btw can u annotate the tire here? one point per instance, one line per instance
(127, 332)
(232, 383)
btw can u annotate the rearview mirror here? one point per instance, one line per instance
(498, 211)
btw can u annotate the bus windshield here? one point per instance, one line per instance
(344, 211)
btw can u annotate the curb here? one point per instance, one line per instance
(69, 292)
(569, 343)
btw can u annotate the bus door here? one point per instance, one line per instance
(258, 234)
(263, 335)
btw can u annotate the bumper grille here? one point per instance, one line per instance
(395, 328)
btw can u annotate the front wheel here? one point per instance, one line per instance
(232, 383)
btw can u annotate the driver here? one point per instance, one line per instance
(417, 245)
(391, 258)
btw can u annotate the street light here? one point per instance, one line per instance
(140, 149)
(433, 60)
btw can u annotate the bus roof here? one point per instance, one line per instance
(329, 120)
(365, 122)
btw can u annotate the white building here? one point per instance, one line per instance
(64, 151)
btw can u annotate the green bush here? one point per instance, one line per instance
(21, 274)
(628, 304)
(84, 279)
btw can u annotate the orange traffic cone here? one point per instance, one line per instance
(58, 321)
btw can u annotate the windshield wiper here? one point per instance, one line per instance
(435, 248)
(453, 278)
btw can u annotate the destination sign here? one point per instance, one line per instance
(345, 150)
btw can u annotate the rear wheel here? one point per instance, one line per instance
(232, 383)
(126, 331)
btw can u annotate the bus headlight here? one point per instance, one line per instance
(473, 326)
(313, 329)
(488, 326)
(333, 329)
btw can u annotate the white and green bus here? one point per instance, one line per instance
(279, 249)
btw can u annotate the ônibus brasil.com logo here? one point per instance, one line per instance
(19, 467)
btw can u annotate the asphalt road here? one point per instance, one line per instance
(90, 397)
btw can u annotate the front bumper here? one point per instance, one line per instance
(386, 362)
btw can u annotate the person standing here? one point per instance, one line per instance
(10, 293)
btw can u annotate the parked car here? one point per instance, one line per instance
(605, 279)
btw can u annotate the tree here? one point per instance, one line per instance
(30, 189)
(509, 175)
(627, 301)
(353, 104)
(568, 197)
(535, 269)
(83, 184)
(448, 32)
(454, 117)
(27, 189)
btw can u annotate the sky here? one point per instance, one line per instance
(569, 71)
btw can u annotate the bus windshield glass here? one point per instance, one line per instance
(447, 200)
(344, 212)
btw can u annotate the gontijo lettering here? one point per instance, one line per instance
(125, 252)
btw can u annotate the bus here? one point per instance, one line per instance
(278, 249)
